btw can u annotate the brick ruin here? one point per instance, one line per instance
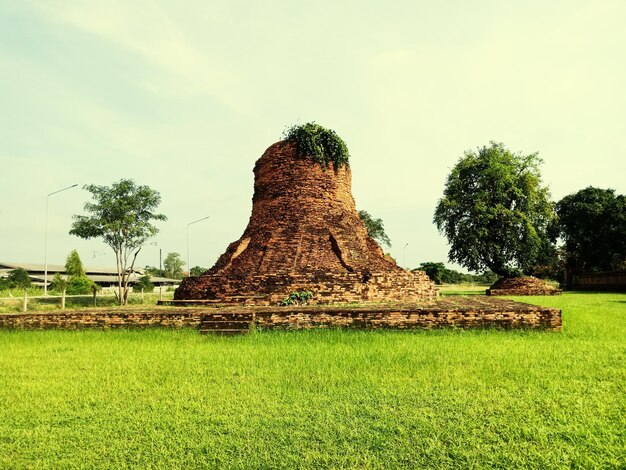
(304, 234)
(522, 286)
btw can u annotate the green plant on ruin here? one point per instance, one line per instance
(299, 297)
(320, 143)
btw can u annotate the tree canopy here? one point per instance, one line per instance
(173, 266)
(74, 265)
(375, 228)
(592, 223)
(122, 216)
(495, 212)
(18, 278)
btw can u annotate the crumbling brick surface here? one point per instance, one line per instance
(450, 312)
(522, 286)
(304, 234)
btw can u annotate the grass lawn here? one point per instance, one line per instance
(40, 303)
(366, 399)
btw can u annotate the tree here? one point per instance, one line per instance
(143, 284)
(375, 228)
(173, 266)
(59, 284)
(74, 265)
(592, 223)
(153, 271)
(435, 271)
(18, 278)
(495, 212)
(197, 271)
(122, 216)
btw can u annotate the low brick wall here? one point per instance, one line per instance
(607, 281)
(458, 312)
(103, 319)
(465, 313)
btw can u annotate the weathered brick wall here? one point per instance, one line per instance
(304, 234)
(465, 312)
(117, 318)
(609, 280)
(271, 289)
(522, 286)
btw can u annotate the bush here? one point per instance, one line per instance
(320, 143)
(143, 283)
(18, 278)
(300, 297)
(79, 286)
(58, 284)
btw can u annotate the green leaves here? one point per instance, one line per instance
(375, 228)
(494, 211)
(122, 216)
(320, 143)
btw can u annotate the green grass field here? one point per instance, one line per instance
(39, 303)
(319, 399)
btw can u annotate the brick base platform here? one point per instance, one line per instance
(458, 312)
(522, 286)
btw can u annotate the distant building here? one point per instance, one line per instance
(105, 277)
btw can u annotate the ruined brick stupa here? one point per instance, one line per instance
(304, 234)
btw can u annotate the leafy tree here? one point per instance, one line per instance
(375, 228)
(495, 211)
(173, 266)
(592, 223)
(143, 283)
(58, 284)
(435, 271)
(122, 216)
(153, 271)
(197, 271)
(18, 278)
(74, 265)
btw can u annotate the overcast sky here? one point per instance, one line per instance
(186, 96)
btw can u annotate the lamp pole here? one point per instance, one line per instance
(404, 256)
(45, 253)
(191, 223)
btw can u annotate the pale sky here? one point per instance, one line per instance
(185, 96)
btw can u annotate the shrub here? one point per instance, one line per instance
(79, 286)
(300, 297)
(320, 143)
(143, 283)
(18, 278)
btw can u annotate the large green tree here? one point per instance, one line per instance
(495, 211)
(173, 266)
(375, 228)
(592, 223)
(122, 215)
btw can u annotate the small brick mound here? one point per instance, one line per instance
(304, 233)
(522, 286)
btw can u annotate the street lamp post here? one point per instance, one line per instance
(45, 254)
(404, 256)
(191, 223)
